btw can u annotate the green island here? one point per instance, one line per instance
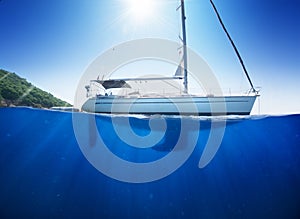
(17, 91)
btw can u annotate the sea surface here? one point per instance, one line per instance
(255, 173)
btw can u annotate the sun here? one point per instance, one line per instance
(141, 10)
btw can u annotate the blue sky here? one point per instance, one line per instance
(50, 43)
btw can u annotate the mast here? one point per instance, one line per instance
(185, 83)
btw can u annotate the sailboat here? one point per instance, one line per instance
(183, 103)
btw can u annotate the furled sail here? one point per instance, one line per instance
(180, 70)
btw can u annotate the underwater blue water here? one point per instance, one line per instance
(44, 174)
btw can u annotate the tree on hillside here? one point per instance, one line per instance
(17, 91)
(9, 95)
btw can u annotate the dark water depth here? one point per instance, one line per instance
(44, 174)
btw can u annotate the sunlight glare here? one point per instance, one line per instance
(141, 10)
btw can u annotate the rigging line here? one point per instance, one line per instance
(172, 85)
(233, 45)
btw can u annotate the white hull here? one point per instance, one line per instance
(184, 105)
